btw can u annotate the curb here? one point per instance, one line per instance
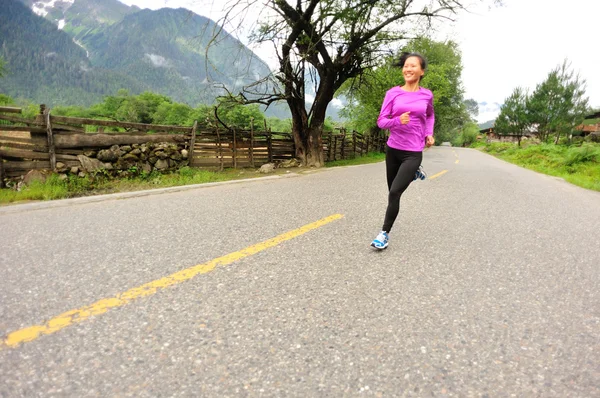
(17, 208)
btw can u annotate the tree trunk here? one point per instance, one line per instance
(308, 134)
(308, 141)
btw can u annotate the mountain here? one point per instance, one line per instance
(45, 65)
(74, 52)
(167, 49)
(487, 125)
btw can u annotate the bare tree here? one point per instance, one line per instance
(327, 42)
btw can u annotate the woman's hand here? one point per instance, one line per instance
(429, 141)
(405, 118)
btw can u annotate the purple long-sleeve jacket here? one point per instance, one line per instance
(411, 136)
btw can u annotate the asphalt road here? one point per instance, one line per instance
(490, 287)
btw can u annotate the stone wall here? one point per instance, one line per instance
(128, 160)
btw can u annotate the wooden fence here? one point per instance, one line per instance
(40, 143)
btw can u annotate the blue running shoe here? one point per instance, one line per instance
(420, 174)
(381, 241)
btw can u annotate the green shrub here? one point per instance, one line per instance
(582, 154)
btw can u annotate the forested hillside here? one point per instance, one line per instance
(87, 49)
(43, 64)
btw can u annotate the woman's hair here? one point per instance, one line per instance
(405, 55)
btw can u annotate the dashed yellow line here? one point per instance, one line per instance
(457, 159)
(441, 173)
(81, 314)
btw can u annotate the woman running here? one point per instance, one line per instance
(407, 112)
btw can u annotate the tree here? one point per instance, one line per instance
(172, 114)
(2, 67)
(328, 42)
(513, 118)
(6, 100)
(239, 116)
(442, 78)
(467, 136)
(472, 108)
(558, 105)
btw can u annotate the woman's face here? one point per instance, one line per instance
(412, 70)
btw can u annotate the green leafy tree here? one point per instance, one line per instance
(241, 116)
(279, 125)
(513, 118)
(468, 135)
(328, 42)
(472, 108)
(204, 114)
(111, 104)
(6, 100)
(133, 110)
(172, 114)
(558, 105)
(2, 67)
(71, 111)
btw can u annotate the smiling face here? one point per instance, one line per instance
(412, 70)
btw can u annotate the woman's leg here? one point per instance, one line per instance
(409, 163)
(393, 159)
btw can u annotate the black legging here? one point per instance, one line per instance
(401, 167)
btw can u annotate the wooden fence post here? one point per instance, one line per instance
(343, 145)
(354, 142)
(220, 148)
(51, 149)
(270, 146)
(335, 140)
(234, 149)
(193, 143)
(251, 149)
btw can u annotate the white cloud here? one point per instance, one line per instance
(336, 103)
(158, 61)
(41, 7)
(488, 111)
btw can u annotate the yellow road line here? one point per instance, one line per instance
(99, 307)
(441, 173)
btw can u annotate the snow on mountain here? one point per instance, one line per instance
(43, 7)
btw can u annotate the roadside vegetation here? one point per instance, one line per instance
(552, 117)
(579, 165)
(98, 184)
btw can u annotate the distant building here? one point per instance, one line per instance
(492, 136)
(593, 128)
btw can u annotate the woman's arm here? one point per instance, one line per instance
(429, 118)
(386, 120)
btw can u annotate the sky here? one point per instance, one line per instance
(514, 45)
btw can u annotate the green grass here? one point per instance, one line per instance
(372, 157)
(55, 188)
(579, 165)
